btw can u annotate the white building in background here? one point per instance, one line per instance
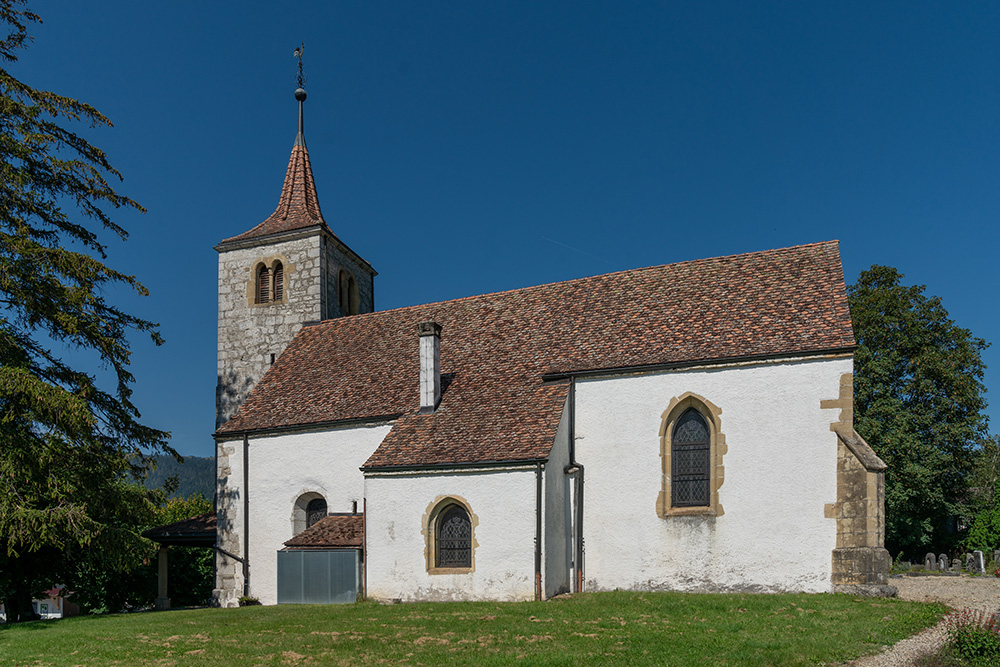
(679, 427)
(53, 605)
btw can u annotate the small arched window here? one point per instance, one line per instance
(453, 535)
(343, 292)
(352, 296)
(279, 281)
(347, 292)
(315, 510)
(263, 286)
(690, 461)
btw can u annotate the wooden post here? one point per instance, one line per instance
(162, 601)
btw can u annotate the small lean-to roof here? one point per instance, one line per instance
(496, 348)
(197, 531)
(333, 531)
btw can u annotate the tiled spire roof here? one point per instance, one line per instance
(298, 207)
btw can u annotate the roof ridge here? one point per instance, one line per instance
(527, 288)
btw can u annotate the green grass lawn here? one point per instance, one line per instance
(599, 628)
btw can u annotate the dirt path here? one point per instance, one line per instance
(957, 592)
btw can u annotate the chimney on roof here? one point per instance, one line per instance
(430, 366)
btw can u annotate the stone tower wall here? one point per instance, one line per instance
(250, 333)
(334, 259)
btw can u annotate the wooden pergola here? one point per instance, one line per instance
(198, 531)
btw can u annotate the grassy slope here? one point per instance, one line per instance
(619, 628)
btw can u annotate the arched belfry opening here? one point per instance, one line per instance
(263, 285)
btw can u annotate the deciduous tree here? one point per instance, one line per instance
(68, 446)
(918, 401)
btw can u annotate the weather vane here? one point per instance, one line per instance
(300, 80)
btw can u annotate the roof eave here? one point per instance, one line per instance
(321, 228)
(221, 434)
(715, 361)
(464, 465)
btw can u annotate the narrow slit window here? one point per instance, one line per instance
(263, 285)
(279, 282)
(352, 295)
(343, 293)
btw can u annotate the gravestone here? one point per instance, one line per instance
(943, 562)
(930, 562)
(980, 564)
(996, 557)
(970, 562)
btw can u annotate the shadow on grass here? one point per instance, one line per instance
(44, 624)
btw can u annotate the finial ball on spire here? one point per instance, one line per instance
(300, 94)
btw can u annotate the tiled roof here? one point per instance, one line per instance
(196, 530)
(495, 348)
(335, 530)
(298, 207)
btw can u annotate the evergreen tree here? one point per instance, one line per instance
(68, 447)
(918, 401)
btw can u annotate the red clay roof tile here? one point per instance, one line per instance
(335, 530)
(495, 349)
(298, 206)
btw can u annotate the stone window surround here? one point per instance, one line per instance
(712, 414)
(299, 517)
(428, 530)
(269, 262)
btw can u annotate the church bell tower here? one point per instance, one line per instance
(288, 270)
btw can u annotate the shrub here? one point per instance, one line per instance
(248, 601)
(974, 636)
(985, 532)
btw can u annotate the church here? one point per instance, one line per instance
(683, 427)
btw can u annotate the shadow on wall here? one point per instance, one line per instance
(230, 392)
(226, 497)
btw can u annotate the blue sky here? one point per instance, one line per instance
(467, 147)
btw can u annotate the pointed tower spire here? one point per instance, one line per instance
(300, 95)
(298, 206)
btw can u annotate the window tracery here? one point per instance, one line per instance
(454, 538)
(692, 449)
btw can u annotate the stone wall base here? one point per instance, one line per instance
(868, 591)
(222, 597)
(861, 566)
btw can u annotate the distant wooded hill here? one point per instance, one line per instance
(195, 475)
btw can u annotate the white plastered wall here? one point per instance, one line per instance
(503, 505)
(780, 471)
(283, 468)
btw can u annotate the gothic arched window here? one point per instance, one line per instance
(262, 289)
(690, 461)
(279, 281)
(453, 537)
(315, 510)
